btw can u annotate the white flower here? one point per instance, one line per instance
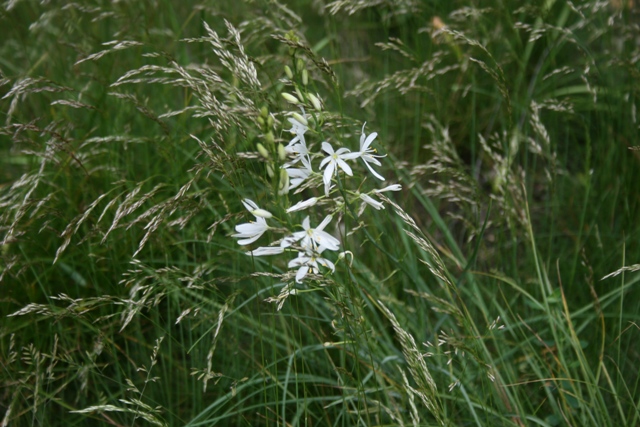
(366, 153)
(309, 261)
(252, 207)
(333, 160)
(394, 187)
(251, 231)
(298, 175)
(313, 238)
(303, 205)
(371, 201)
(268, 250)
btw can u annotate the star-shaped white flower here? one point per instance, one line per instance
(298, 175)
(255, 210)
(367, 153)
(251, 231)
(313, 238)
(309, 260)
(335, 159)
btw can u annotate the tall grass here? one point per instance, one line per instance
(500, 287)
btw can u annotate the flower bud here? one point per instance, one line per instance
(300, 96)
(300, 65)
(270, 171)
(283, 184)
(270, 122)
(282, 154)
(315, 101)
(262, 213)
(269, 138)
(300, 119)
(290, 98)
(261, 121)
(263, 151)
(305, 77)
(288, 72)
(264, 112)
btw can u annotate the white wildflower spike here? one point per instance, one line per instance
(299, 125)
(251, 231)
(298, 146)
(394, 187)
(313, 238)
(367, 153)
(303, 205)
(371, 201)
(252, 207)
(266, 250)
(335, 159)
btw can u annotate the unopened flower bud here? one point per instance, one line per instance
(282, 154)
(261, 121)
(300, 96)
(270, 122)
(290, 98)
(264, 112)
(305, 77)
(315, 101)
(269, 137)
(288, 72)
(270, 171)
(283, 184)
(261, 213)
(263, 151)
(300, 119)
(300, 64)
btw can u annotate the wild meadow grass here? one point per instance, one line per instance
(340, 213)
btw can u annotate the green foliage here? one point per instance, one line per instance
(499, 288)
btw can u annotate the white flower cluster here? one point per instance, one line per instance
(310, 243)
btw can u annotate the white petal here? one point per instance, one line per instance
(268, 250)
(326, 263)
(299, 261)
(393, 187)
(249, 241)
(327, 240)
(328, 174)
(368, 141)
(376, 174)
(305, 224)
(372, 202)
(327, 219)
(345, 167)
(301, 273)
(249, 204)
(303, 205)
(327, 148)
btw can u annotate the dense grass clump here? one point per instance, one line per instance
(195, 230)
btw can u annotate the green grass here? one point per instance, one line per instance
(481, 295)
